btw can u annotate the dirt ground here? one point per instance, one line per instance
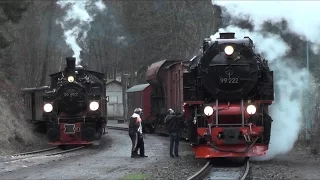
(110, 161)
(113, 162)
(300, 164)
(16, 134)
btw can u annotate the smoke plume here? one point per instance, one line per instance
(76, 22)
(290, 80)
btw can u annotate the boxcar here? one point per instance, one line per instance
(139, 96)
(165, 90)
(33, 103)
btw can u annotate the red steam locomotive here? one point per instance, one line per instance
(73, 109)
(225, 92)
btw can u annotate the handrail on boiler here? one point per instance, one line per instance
(242, 112)
(217, 113)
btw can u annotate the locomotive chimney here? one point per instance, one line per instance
(228, 35)
(71, 63)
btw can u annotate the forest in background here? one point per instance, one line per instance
(124, 39)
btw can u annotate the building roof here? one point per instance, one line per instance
(92, 72)
(113, 80)
(138, 88)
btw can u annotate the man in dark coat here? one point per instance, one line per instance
(135, 133)
(173, 125)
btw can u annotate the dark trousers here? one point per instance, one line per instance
(137, 143)
(192, 131)
(141, 145)
(174, 142)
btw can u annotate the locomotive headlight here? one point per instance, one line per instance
(94, 106)
(208, 110)
(48, 107)
(71, 79)
(228, 50)
(251, 109)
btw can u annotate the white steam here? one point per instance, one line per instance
(301, 15)
(264, 43)
(286, 114)
(315, 49)
(76, 23)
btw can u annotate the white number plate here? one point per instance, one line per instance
(229, 80)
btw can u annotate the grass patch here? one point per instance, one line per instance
(135, 177)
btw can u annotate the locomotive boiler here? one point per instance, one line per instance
(227, 92)
(73, 108)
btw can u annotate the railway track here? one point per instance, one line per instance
(32, 154)
(208, 171)
(118, 128)
(127, 129)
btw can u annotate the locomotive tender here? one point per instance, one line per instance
(73, 109)
(225, 93)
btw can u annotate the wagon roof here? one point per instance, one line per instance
(113, 80)
(138, 88)
(155, 67)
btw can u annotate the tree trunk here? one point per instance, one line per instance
(124, 99)
(47, 51)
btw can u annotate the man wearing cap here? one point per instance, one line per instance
(135, 133)
(172, 122)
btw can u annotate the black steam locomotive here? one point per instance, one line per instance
(228, 104)
(73, 108)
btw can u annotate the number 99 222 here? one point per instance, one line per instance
(229, 80)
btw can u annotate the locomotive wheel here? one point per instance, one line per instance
(267, 121)
(53, 134)
(63, 147)
(98, 134)
(151, 128)
(88, 133)
(40, 127)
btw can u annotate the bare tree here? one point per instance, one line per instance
(48, 44)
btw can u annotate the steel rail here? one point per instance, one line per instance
(202, 172)
(35, 154)
(246, 171)
(118, 128)
(208, 171)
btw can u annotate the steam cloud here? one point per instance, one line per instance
(76, 23)
(291, 81)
